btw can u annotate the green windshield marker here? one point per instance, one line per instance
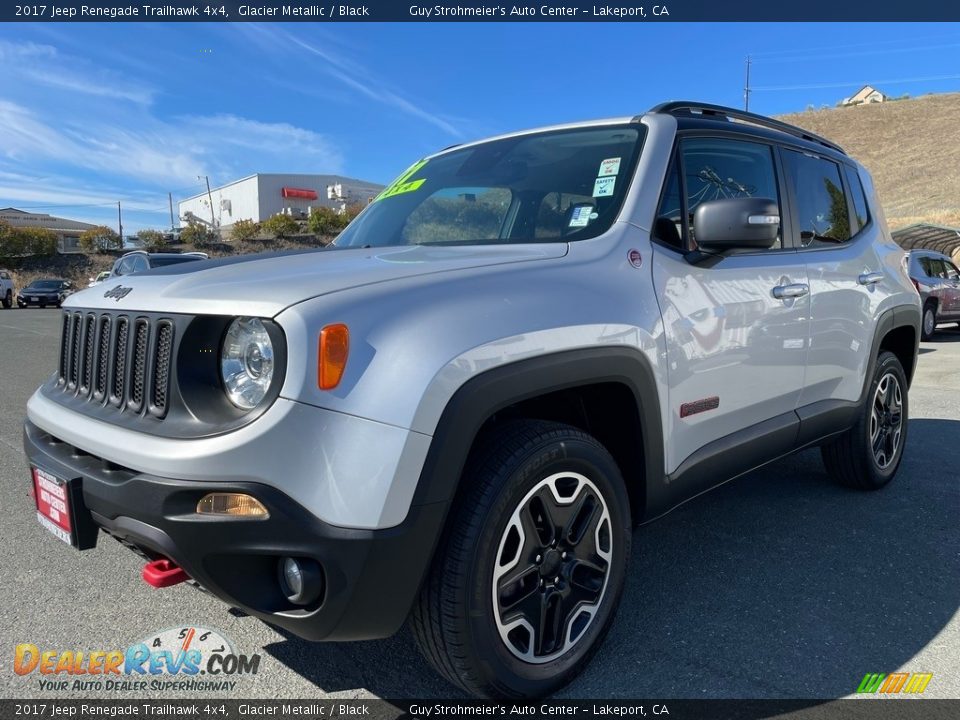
(403, 184)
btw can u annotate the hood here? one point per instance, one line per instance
(264, 285)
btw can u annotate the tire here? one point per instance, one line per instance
(8, 300)
(526, 468)
(928, 324)
(853, 459)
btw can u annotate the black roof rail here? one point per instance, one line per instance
(677, 107)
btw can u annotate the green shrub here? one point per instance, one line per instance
(244, 230)
(100, 239)
(153, 240)
(280, 226)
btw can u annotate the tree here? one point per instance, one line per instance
(100, 239)
(38, 240)
(153, 240)
(245, 230)
(280, 226)
(11, 242)
(197, 235)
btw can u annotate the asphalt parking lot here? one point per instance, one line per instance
(779, 585)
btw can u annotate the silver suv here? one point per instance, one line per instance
(938, 282)
(457, 413)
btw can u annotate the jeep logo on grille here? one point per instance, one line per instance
(118, 292)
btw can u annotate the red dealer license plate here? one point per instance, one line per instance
(53, 505)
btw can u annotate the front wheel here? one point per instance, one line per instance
(530, 572)
(867, 456)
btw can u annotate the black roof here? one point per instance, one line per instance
(923, 236)
(704, 116)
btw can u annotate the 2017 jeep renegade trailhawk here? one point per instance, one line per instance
(456, 413)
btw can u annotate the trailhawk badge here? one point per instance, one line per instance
(118, 292)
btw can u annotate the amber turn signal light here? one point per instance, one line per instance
(332, 359)
(232, 504)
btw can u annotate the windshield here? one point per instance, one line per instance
(554, 186)
(46, 284)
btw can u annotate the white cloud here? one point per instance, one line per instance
(352, 74)
(45, 65)
(169, 152)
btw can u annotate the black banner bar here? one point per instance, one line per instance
(473, 11)
(221, 709)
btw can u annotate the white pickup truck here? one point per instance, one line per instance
(6, 289)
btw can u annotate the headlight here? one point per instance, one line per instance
(246, 362)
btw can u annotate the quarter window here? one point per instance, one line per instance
(822, 210)
(715, 169)
(859, 200)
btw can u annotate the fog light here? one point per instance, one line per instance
(301, 580)
(233, 505)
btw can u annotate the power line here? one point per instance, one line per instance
(816, 86)
(874, 43)
(862, 53)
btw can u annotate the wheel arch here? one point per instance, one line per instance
(897, 331)
(568, 387)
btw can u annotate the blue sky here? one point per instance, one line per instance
(91, 114)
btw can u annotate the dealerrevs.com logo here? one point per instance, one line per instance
(895, 683)
(184, 658)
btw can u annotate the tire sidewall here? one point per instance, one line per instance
(886, 363)
(507, 671)
(928, 308)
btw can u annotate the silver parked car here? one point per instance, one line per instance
(937, 280)
(457, 412)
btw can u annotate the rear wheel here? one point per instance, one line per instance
(532, 566)
(929, 324)
(8, 299)
(867, 456)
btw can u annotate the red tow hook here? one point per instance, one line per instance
(163, 573)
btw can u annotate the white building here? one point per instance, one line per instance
(864, 96)
(263, 195)
(68, 231)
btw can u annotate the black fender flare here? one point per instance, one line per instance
(498, 388)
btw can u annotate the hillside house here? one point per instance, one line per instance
(866, 94)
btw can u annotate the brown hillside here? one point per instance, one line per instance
(911, 147)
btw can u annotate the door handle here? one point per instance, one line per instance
(870, 278)
(783, 292)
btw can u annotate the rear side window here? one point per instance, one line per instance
(822, 210)
(719, 168)
(859, 200)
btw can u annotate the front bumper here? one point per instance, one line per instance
(48, 301)
(371, 576)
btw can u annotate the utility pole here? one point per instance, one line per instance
(746, 87)
(120, 223)
(213, 222)
(170, 198)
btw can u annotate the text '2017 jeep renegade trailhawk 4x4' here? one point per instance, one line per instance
(456, 413)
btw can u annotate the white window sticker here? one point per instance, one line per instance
(610, 166)
(604, 186)
(582, 215)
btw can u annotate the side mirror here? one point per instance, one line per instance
(748, 223)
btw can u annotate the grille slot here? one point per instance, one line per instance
(103, 358)
(73, 363)
(117, 361)
(138, 377)
(64, 344)
(161, 368)
(119, 383)
(89, 341)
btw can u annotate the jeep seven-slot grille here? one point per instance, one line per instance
(117, 359)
